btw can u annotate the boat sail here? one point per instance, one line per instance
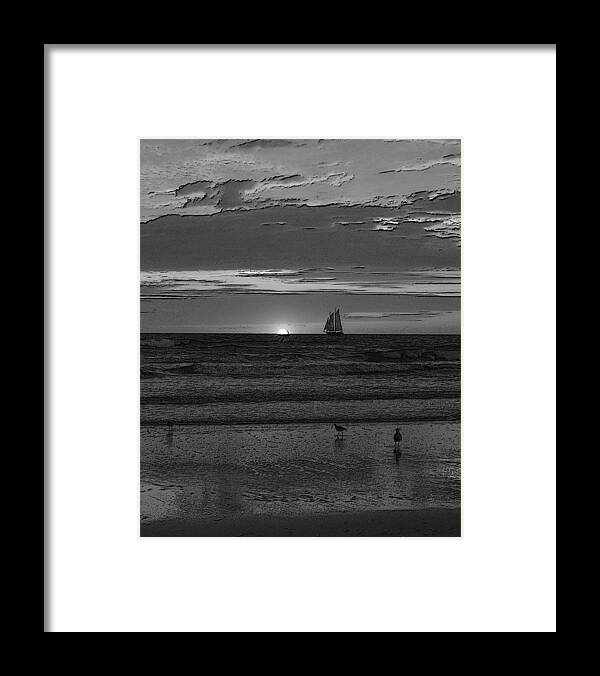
(333, 325)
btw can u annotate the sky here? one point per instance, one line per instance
(257, 235)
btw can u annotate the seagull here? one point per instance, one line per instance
(338, 429)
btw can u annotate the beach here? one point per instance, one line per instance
(238, 436)
(382, 523)
(300, 479)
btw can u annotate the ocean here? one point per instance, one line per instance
(241, 425)
(237, 378)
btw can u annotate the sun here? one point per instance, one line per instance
(283, 332)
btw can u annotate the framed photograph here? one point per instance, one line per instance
(292, 313)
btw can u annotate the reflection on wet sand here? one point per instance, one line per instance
(213, 473)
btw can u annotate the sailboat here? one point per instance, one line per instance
(333, 325)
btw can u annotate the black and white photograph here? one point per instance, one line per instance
(300, 337)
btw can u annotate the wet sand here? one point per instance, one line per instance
(282, 480)
(399, 523)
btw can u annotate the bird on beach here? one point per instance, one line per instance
(397, 440)
(339, 429)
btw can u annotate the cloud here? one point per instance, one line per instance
(180, 283)
(400, 316)
(334, 179)
(195, 176)
(290, 178)
(223, 195)
(450, 160)
(446, 228)
(194, 188)
(242, 193)
(266, 143)
(379, 315)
